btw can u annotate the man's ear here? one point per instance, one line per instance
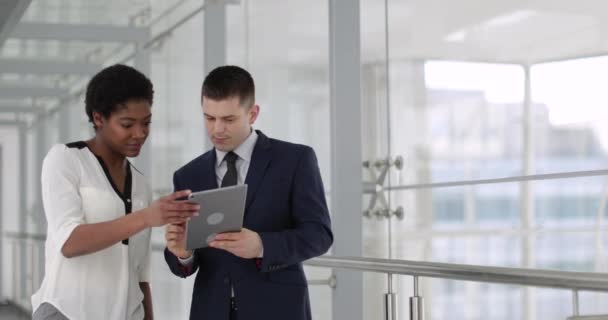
(97, 120)
(254, 111)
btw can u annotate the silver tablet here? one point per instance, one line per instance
(221, 210)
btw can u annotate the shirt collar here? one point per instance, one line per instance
(244, 150)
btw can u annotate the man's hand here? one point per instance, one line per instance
(246, 244)
(175, 236)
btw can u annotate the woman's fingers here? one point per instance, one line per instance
(177, 195)
(177, 220)
(183, 206)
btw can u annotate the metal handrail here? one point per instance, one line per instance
(331, 281)
(574, 281)
(528, 277)
(585, 281)
(536, 177)
(25, 236)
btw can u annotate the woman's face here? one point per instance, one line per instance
(127, 128)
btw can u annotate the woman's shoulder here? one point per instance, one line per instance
(64, 154)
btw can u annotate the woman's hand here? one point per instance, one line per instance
(170, 210)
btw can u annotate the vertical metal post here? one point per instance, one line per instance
(389, 133)
(41, 137)
(527, 197)
(416, 303)
(38, 218)
(32, 266)
(575, 307)
(346, 176)
(214, 42)
(14, 270)
(1, 229)
(19, 252)
(40, 263)
(390, 301)
(390, 306)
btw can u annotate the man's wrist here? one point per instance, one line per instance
(187, 255)
(261, 253)
(187, 260)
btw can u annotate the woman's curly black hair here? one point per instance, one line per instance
(114, 86)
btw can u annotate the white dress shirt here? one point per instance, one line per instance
(104, 284)
(244, 151)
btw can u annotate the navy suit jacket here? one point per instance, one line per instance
(286, 206)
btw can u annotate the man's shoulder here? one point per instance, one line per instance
(195, 164)
(289, 148)
(280, 146)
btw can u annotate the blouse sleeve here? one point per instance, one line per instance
(144, 271)
(60, 195)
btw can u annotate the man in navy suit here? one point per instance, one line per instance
(255, 273)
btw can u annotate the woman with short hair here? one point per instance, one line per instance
(99, 210)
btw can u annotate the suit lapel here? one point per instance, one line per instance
(206, 176)
(260, 159)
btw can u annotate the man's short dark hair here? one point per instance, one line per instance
(113, 86)
(229, 82)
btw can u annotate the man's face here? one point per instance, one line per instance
(127, 128)
(228, 122)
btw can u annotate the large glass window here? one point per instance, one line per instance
(452, 104)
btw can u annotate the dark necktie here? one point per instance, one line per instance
(230, 178)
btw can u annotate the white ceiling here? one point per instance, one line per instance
(116, 12)
(11, 12)
(521, 31)
(510, 31)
